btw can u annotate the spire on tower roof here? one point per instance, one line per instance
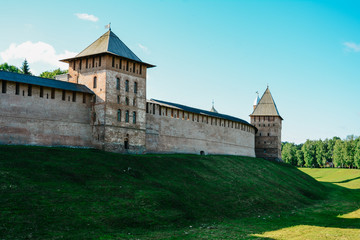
(213, 108)
(266, 106)
(257, 99)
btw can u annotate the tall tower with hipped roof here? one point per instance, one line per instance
(118, 79)
(267, 120)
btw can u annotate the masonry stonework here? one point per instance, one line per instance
(101, 103)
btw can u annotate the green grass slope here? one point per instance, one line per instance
(55, 193)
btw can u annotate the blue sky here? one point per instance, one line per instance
(307, 51)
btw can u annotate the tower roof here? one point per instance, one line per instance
(266, 106)
(111, 44)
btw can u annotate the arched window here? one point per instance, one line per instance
(118, 99)
(95, 82)
(127, 101)
(134, 117)
(134, 102)
(118, 83)
(135, 87)
(119, 115)
(127, 116)
(127, 86)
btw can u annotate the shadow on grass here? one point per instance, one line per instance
(347, 180)
(325, 214)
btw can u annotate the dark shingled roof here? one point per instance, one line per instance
(200, 111)
(109, 43)
(45, 82)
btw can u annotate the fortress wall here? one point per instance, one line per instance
(170, 130)
(44, 121)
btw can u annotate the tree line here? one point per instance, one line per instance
(333, 152)
(25, 69)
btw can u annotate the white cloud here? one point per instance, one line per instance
(87, 17)
(39, 52)
(142, 47)
(350, 46)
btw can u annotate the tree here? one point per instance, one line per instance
(309, 150)
(288, 154)
(320, 152)
(300, 157)
(9, 68)
(338, 154)
(52, 74)
(348, 152)
(357, 154)
(25, 68)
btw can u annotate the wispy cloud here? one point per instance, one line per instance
(36, 52)
(142, 47)
(351, 46)
(87, 17)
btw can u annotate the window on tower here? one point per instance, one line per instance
(118, 83)
(17, 89)
(29, 90)
(127, 116)
(95, 82)
(134, 117)
(135, 87)
(119, 115)
(127, 86)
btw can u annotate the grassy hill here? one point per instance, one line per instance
(61, 193)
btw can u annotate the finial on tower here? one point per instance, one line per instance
(213, 108)
(108, 26)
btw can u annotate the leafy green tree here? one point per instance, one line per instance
(309, 150)
(338, 158)
(330, 148)
(52, 74)
(357, 154)
(348, 152)
(288, 154)
(300, 157)
(9, 68)
(25, 68)
(321, 152)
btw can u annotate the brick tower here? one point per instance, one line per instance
(267, 120)
(118, 79)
